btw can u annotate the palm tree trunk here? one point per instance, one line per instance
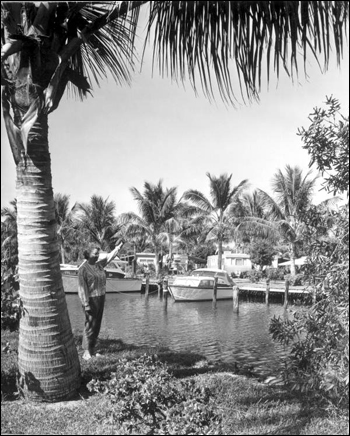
(292, 258)
(134, 263)
(156, 252)
(219, 253)
(47, 356)
(170, 247)
(63, 257)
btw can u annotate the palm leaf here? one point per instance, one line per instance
(199, 200)
(206, 38)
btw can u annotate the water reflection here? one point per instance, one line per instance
(215, 332)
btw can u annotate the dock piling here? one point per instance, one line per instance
(286, 293)
(235, 297)
(267, 294)
(215, 289)
(165, 290)
(147, 283)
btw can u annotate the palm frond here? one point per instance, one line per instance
(272, 208)
(206, 38)
(258, 227)
(199, 200)
(237, 190)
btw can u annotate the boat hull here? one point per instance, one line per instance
(190, 293)
(113, 284)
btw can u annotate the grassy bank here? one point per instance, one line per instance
(244, 405)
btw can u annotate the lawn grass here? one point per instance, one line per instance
(247, 406)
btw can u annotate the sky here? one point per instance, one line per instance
(157, 129)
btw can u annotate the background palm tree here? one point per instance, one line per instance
(249, 205)
(159, 210)
(64, 219)
(292, 197)
(98, 219)
(217, 215)
(53, 46)
(9, 243)
(252, 204)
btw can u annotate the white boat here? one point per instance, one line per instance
(199, 284)
(115, 279)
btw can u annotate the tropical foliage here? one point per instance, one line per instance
(98, 220)
(319, 335)
(51, 47)
(64, 221)
(217, 214)
(243, 37)
(148, 399)
(9, 244)
(327, 142)
(262, 252)
(292, 196)
(159, 212)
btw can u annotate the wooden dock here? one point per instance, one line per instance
(276, 287)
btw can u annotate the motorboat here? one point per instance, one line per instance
(116, 280)
(199, 285)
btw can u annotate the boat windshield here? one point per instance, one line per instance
(223, 277)
(207, 274)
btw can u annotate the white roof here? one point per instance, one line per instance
(237, 255)
(300, 261)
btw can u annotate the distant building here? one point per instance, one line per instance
(146, 258)
(231, 262)
(178, 262)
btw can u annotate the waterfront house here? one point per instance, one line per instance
(231, 262)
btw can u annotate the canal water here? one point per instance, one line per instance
(217, 333)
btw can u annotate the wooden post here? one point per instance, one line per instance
(286, 293)
(147, 283)
(267, 291)
(235, 298)
(215, 289)
(134, 263)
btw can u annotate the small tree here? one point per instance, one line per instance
(327, 142)
(262, 252)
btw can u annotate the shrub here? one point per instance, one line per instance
(319, 336)
(297, 280)
(148, 399)
(275, 273)
(254, 275)
(10, 303)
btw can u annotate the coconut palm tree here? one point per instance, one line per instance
(217, 214)
(98, 219)
(51, 47)
(64, 219)
(292, 196)
(252, 204)
(159, 210)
